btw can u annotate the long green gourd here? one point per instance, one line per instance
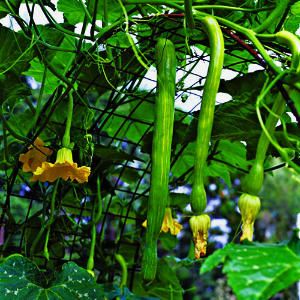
(249, 203)
(205, 121)
(253, 181)
(161, 151)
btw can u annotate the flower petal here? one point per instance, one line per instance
(51, 172)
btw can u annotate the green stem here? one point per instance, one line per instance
(291, 41)
(5, 152)
(277, 110)
(280, 7)
(232, 8)
(99, 206)
(95, 220)
(156, 2)
(138, 54)
(189, 14)
(105, 13)
(51, 220)
(66, 138)
(90, 263)
(12, 131)
(45, 226)
(250, 34)
(206, 115)
(120, 259)
(253, 181)
(274, 114)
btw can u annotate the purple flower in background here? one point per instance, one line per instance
(24, 189)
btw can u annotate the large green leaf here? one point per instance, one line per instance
(233, 153)
(74, 11)
(60, 62)
(15, 51)
(21, 279)
(4, 9)
(256, 271)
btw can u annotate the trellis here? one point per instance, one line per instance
(127, 91)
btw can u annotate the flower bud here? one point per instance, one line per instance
(249, 206)
(200, 225)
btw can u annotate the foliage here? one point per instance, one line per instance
(256, 271)
(104, 58)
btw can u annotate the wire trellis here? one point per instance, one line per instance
(110, 127)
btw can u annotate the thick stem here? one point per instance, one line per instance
(189, 14)
(66, 138)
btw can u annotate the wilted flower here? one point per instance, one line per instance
(64, 168)
(35, 156)
(200, 225)
(249, 206)
(168, 223)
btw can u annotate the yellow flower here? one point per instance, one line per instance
(249, 206)
(200, 225)
(35, 156)
(168, 223)
(64, 168)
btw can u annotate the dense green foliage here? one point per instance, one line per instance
(101, 55)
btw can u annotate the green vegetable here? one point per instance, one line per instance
(161, 151)
(253, 181)
(205, 122)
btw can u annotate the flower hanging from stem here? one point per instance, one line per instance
(200, 225)
(64, 167)
(35, 156)
(249, 206)
(169, 224)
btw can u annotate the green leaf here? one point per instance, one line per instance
(119, 39)
(237, 60)
(36, 71)
(4, 9)
(60, 62)
(256, 271)
(21, 279)
(217, 169)
(15, 51)
(72, 9)
(242, 88)
(295, 9)
(233, 153)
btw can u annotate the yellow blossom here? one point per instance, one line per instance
(35, 156)
(64, 168)
(168, 223)
(200, 225)
(249, 206)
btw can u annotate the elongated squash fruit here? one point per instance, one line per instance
(200, 222)
(206, 115)
(161, 151)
